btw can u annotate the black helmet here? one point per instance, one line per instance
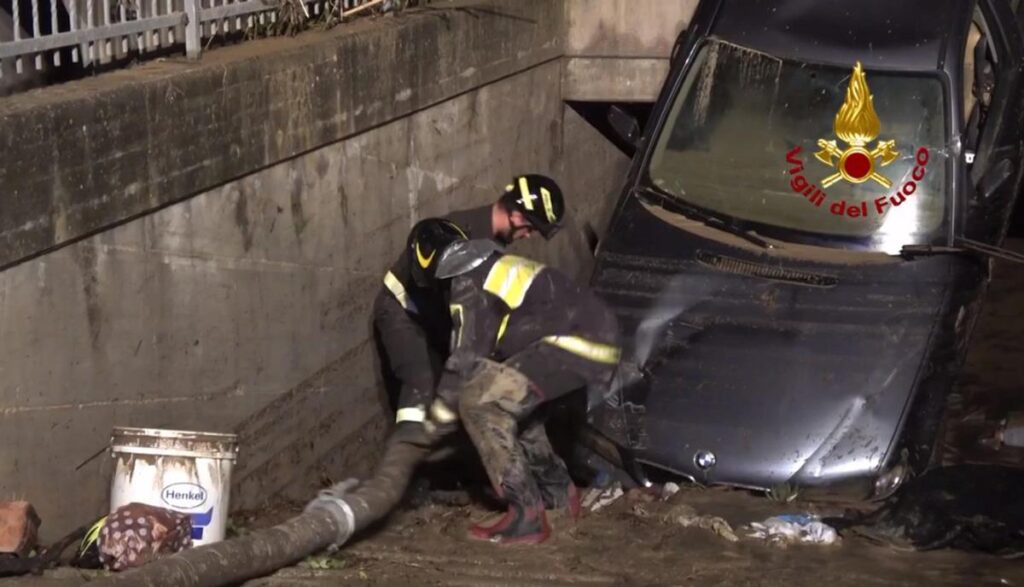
(539, 199)
(427, 240)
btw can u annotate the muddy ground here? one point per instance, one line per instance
(633, 542)
(630, 542)
(637, 542)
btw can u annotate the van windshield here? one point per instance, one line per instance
(821, 154)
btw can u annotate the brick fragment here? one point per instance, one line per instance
(19, 527)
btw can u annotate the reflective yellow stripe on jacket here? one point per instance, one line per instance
(502, 327)
(398, 290)
(413, 414)
(510, 278)
(594, 351)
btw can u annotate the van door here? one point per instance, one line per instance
(994, 117)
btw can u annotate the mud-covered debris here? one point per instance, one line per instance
(686, 516)
(787, 529)
(642, 494)
(640, 510)
(669, 489)
(322, 562)
(596, 498)
(971, 507)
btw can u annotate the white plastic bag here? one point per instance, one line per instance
(790, 528)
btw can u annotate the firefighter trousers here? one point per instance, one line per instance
(408, 356)
(498, 407)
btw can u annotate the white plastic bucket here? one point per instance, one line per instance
(185, 471)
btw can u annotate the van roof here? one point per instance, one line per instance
(916, 35)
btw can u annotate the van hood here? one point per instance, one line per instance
(781, 370)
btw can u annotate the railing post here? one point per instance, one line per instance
(193, 30)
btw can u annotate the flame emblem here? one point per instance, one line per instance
(857, 125)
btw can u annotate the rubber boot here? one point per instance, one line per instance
(520, 525)
(562, 497)
(572, 503)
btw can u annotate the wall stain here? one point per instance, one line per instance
(555, 137)
(474, 111)
(322, 166)
(273, 221)
(343, 201)
(298, 216)
(85, 258)
(242, 216)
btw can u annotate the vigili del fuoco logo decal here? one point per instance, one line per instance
(857, 125)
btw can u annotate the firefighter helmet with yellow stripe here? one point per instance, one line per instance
(427, 241)
(539, 199)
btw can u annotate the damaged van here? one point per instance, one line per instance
(800, 246)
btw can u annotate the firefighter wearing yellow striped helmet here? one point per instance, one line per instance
(534, 202)
(523, 334)
(410, 319)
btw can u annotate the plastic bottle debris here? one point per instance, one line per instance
(1013, 430)
(686, 516)
(596, 499)
(786, 529)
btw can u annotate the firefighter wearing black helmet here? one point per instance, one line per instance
(523, 334)
(538, 201)
(411, 321)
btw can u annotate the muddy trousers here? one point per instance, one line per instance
(499, 410)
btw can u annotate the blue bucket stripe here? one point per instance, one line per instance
(199, 521)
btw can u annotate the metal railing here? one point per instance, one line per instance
(35, 34)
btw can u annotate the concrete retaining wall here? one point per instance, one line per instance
(245, 308)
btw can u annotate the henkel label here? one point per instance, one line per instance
(183, 496)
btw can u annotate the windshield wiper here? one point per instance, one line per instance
(965, 246)
(694, 213)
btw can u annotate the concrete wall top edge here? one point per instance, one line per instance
(625, 28)
(84, 156)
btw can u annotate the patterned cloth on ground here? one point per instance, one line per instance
(137, 533)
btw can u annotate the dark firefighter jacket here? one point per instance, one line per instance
(402, 306)
(509, 302)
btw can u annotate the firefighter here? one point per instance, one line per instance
(523, 335)
(411, 319)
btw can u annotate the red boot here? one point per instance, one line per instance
(567, 497)
(574, 506)
(519, 525)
